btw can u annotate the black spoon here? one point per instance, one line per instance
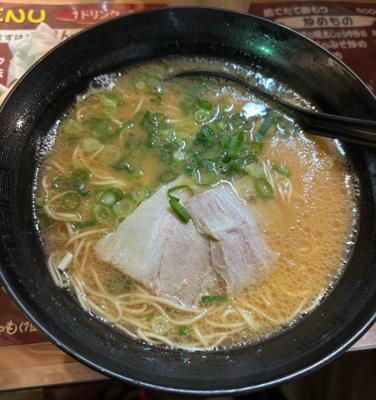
(335, 126)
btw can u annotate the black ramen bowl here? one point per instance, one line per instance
(41, 96)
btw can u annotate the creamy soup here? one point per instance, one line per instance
(189, 213)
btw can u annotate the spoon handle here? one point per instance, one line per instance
(352, 130)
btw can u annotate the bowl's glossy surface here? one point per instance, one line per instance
(45, 92)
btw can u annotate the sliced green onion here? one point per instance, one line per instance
(110, 196)
(140, 193)
(71, 201)
(206, 136)
(263, 188)
(123, 207)
(282, 170)
(85, 224)
(44, 220)
(78, 179)
(179, 210)
(266, 124)
(91, 144)
(235, 145)
(204, 104)
(81, 174)
(71, 126)
(101, 129)
(183, 330)
(111, 99)
(217, 298)
(101, 213)
(254, 170)
(42, 199)
(124, 165)
(149, 317)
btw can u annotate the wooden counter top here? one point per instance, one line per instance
(43, 364)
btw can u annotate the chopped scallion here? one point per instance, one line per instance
(123, 164)
(71, 126)
(42, 199)
(183, 330)
(282, 170)
(263, 188)
(81, 174)
(149, 317)
(101, 213)
(217, 298)
(254, 170)
(204, 104)
(91, 144)
(266, 124)
(111, 99)
(85, 224)
(179, 210)
(235, 145)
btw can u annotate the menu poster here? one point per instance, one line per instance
(14, 327)
(19, 20)
(346, 29)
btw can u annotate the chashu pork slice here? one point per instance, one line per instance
(185, 268)
(154, 247)
(238, 251)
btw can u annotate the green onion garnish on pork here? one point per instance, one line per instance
(174, 201)
(179, 210)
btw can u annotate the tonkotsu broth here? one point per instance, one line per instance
(112, 151)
